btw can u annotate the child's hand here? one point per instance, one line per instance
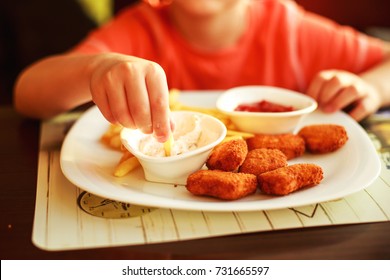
(335, 90)
(132, 92)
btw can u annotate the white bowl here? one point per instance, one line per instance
(175, 169)
(265, 122)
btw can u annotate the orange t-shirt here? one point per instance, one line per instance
(283, 46)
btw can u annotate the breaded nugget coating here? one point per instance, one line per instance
(221, 184)
(228, 156)
(323, 138)
(285, 180)
(290, 144)
(263, 160)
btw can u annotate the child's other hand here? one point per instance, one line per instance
(132, 92)
(335, 90)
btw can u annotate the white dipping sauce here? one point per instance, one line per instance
(186, 138)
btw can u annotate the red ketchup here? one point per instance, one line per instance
(263, 106)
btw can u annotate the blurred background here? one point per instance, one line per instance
(32, 29)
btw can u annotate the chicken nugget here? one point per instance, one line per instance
(262, 160)
(228, 156)
(288, 179)
(323, 138)
(290, 144)
(221, 184)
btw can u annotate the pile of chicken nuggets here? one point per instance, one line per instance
(238, 167)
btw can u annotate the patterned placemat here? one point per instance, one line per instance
(67, 217)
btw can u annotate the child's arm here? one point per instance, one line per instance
(362, 95)
(129, 91)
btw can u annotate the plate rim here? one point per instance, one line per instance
(70, 170)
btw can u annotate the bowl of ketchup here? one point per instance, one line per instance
(265, 109)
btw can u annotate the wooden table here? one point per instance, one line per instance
(18, 175)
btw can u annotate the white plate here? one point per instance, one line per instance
(89, 164)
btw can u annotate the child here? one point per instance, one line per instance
(127, 67)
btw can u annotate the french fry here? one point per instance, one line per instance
(126, 155)
(168, 145)
(125, 166)
(244, 135)
(111, 137)
(209, 111)
(228, 138)
(115, 142)
(173, 99)
(176, 105)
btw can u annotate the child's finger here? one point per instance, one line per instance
(117, 101)
(159, 103)
(138, 101)
(360, 111)
(315, 87)
(344, 98)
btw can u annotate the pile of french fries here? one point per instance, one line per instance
(128, 162)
